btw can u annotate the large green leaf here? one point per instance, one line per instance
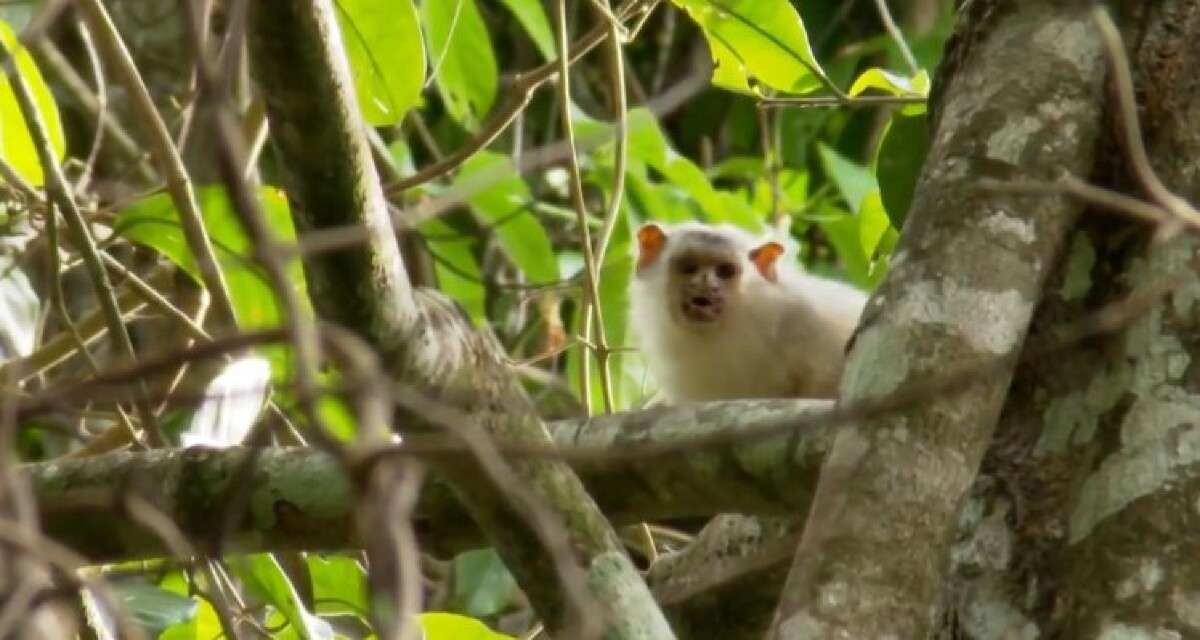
(504, 205)
(458, 272)
(205, 625)
(756, 42)
(853, 180)
(152, 608)
(648, 144)
(16, 147)
(902, 151)
(154, 222)
(448, 626)
(482, 584)
(532, 16)
(460, 52)
(387, 58)
(263, 576)
(339, 585)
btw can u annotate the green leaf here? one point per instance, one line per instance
(203, 626)
(458, 272)
(464, 65)
(16, 146)
(504, 206)
(482, 584)
(448, 626)
(152, 608)
(891, 83)
(154, 222)
(872, 223)
(648, 144)
(339, 585)
(902, 151)
(842, 230)
(853, 180)
(387, 57)
(263, 576)
(532, 16)
(756, 41)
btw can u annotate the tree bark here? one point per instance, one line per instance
(301, 499)
(458, 375)
(1023, 101)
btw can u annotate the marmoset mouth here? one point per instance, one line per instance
(701, 308)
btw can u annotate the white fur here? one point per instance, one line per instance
(774, 339)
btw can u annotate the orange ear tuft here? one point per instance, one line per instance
(764, 258)
(651, 240)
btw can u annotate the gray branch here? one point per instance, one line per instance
(1022, 101)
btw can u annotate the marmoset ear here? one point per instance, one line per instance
(764, 258)
(651, 241)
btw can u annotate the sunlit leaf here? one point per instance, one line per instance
(339, 585)
(532, 16)
(387, 57)
(460, 53)
(504, 205)
(448, 626)
(263, 576)
(890, 83)
(756, 41)
(16, 147)
(482, 584)
(231, 404)
(154, 222)
(203, 626)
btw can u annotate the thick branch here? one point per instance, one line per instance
(1024, 102)
(544, 524)
(301, 499)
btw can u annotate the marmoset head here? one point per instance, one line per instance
(702, 271)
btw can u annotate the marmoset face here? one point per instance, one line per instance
(703, 282)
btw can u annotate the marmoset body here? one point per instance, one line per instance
(719, 315)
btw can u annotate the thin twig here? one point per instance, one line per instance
(231, 158)
(82, 94)
(166, 156)
(1118, 61)
(889, 24)
(834, 102)
(59, 191)
(89, 49)
(591, 280)
(616, 63)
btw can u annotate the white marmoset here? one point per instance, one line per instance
(719, 315)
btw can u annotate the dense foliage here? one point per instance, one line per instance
(765, 114)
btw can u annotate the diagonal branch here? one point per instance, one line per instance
(550, 527)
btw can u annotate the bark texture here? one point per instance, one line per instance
(1083, 522)
(458, 376)
(301, 499)
(1024, 102)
